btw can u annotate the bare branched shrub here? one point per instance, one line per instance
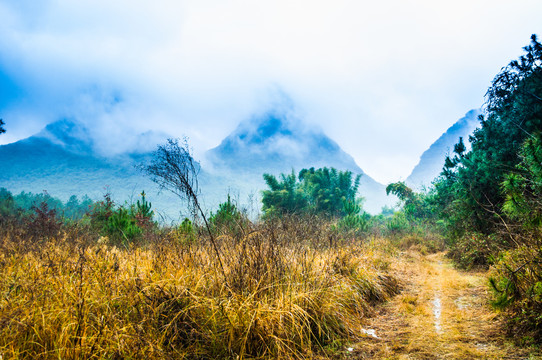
(173, 168)
(44, 223)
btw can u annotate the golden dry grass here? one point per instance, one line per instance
(286, 292)
(279, 299)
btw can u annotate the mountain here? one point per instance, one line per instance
(277, 143)
(432, 160)
(62, 161)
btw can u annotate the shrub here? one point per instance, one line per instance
(121, 224)
(185, 233)
(228, 219)
(398, 224)
(475, 250)
(43, 223)
(516, 282)
(353, 222)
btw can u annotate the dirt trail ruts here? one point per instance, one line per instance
(441, 313)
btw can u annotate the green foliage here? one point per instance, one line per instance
(469, 190)
(317, 191)
(122, 224)
(353, 220)
(17, 207)
(76, 209)
(143, 212)
(523, 187)
(119, 223)
(416, 206)
(403, 192)
(143, 207)
(415, 219)
(8, 207)
(186, 232)
(475, 250)
(490, 198)
(398, 224)
(228, 219)
(517, 288)
(27, 201)
(328, 190)
(2, 130)
(284, 196)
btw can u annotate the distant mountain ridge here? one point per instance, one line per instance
(432, 160)
(68, 134)
(271, 141)
(278, 143)
(62, 159)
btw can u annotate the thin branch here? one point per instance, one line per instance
(172, 168)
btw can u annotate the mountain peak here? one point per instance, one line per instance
(279, 142)
(71, 135)
(268, 126)
(432, 160)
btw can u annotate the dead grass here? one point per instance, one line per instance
(285, 295)
(287, 292)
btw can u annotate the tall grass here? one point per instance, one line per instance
(287, 292)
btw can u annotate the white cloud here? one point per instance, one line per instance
(384, 79)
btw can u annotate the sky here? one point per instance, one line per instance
(384, 79)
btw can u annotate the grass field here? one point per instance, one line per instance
(291, 289)
(285, 292)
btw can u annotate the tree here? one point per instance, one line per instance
(284, 196)
(2, 130)
(328, 189)
(173, 168)
(469, 190)
(416, 206)
(8, 207)
(489, 197)
(228, 217)
(523, 187)
(321, 191)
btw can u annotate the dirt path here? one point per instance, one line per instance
(442, 313)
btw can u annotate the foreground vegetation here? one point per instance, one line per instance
(287, 291)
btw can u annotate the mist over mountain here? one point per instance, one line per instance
(68, 135)
(432, 160)
(276, 142)
(63, 159)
